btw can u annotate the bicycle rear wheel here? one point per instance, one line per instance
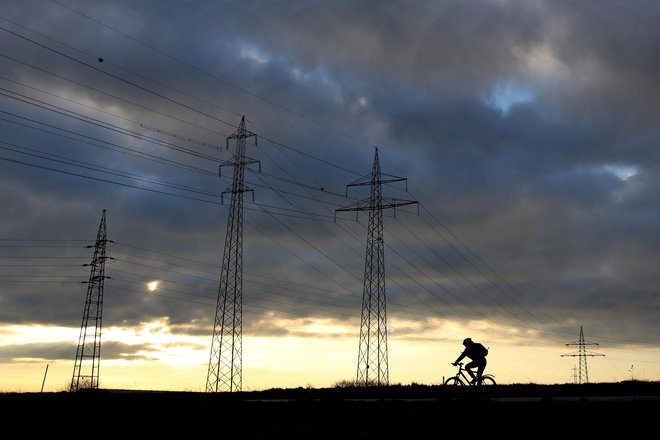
(487, 380)
(454, 381)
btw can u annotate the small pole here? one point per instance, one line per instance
(44, 381)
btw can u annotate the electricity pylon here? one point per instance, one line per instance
(88, 354)
(583, 374)
(372, 368)
(225, 363)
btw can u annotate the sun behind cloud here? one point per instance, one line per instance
(152, 285)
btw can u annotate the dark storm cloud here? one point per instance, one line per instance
(38, 352)
(529, 124)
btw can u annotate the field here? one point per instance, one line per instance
(598, 411)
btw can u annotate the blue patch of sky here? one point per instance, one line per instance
(253, 54)
(506, 94)
(623, 172)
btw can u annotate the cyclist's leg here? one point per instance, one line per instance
(481, 366)
(469, 368)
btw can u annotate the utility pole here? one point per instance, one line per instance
(583, 374)
(372, 368)
(88, 353)
(225, 363)
(44, 381)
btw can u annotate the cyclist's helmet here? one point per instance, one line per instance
(467, 341)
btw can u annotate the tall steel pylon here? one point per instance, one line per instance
(372, 367)
(225, 363)
(88, 354)
(583, 374)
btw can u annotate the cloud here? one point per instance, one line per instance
(527, 131)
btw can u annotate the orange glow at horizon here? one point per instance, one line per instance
(314, 352)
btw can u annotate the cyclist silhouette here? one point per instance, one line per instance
(477, 353)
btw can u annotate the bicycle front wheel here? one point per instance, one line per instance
(454, 381)
(487, 380)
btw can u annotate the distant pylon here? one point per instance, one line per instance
(88, 354)
(372, 368)
(583, 373)
(225, 363)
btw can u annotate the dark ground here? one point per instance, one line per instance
(589, 411)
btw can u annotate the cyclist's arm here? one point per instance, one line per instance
(460, 358)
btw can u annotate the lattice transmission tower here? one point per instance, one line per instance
(372, 367)
(582, 354)
(88, 353)
(225, 363)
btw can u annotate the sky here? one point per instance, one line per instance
(527, 132)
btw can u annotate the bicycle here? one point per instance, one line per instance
(461, 378)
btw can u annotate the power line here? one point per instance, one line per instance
(147, 138)
(98, 123)
(150, 109)
(96, 109)
(118, 78)
(306, 215)
(197, 69)
(273, 141)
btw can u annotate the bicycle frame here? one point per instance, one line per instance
(461, 378)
